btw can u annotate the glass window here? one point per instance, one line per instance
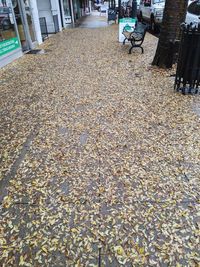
(67, 11)
(158, 1)
(7, 28)
(8, 37)
(66, 7)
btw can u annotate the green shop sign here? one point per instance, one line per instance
(9, 45)
(127, 20)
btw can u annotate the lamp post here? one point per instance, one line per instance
(119, 10)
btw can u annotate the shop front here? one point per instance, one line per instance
(77, 9)
(74, 10)
(49, 10)
(10, 47)
(27, 19)
(19, 28)
(68, 15)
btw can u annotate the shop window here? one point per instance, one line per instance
(24, 22)
(7, 28)
(8, 37)
(67, 11)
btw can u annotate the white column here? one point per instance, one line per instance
(72, 11)
(90, 6)
(63, 14)
(55, 9)
(35, 14)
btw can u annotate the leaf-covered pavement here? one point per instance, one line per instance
(100, 159)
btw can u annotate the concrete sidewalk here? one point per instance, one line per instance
(99, 157)
(94, 20)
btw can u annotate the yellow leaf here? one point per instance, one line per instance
(78, 264)
(44, 249)
(101, 189)
(52, 221)
(141, 251)
(119, 250)
(21, 261)
(7, 201)
(5, 155)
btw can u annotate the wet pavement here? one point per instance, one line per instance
(100, 160)
(95, 20)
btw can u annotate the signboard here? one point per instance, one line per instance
(128, 23)
(112, 15)
(9, 45)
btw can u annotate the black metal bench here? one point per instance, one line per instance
(136, 37)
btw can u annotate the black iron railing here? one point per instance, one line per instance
(56, 24)
(43, 27)
(188, 68)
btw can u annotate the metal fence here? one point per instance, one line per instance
(188, 68)
(56, 24)
(43, 27)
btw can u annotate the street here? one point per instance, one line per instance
(100, 160)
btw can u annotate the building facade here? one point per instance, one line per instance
(51, 11)
(25, 23)
(19, 28)
(68, 13)
(10, 47)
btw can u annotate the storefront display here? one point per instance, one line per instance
(77, 10)
(8, 36)
(19, 20)
(67, 11)
(24, 23)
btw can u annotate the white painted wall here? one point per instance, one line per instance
(35, 14)
(55, 9)
(48, 8)
(44, 10)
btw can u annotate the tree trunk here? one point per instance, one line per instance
(174, 15)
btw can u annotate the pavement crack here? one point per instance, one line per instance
(99, 258)
(14, 168)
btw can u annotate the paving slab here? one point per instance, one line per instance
(149, 234)
(97, 152)
(48, 235)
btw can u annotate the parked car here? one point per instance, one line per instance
(190, 1)
(152, 11)
(193, 13)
